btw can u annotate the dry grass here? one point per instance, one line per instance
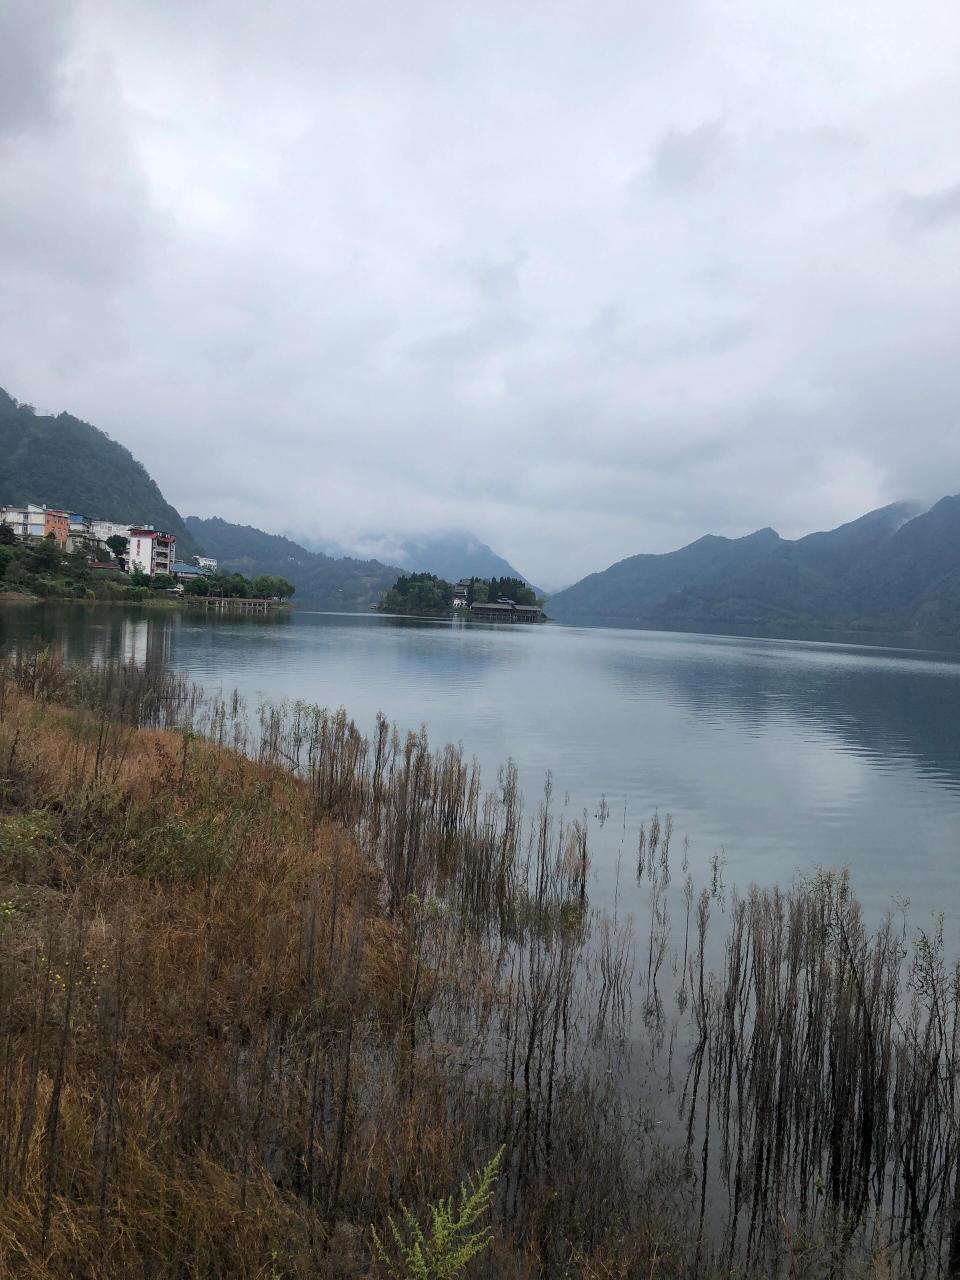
(258, 989)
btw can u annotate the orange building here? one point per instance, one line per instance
(57, 523)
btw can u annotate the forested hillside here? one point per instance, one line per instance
(320, 580)
(891, 569)
(63, 462)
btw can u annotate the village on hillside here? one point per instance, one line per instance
(133, 548)
(51, 552)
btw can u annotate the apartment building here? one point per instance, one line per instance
(56, 523)
(29, 521)
(104, 529)
(151, 550)
(81, 531)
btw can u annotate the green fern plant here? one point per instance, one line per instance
(452, 1236)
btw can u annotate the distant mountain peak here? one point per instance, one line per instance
(450, 554)
(320, 580)
(894, 568)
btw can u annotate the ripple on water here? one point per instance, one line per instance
(784, 753)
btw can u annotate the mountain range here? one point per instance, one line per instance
(61, 461)
(894, 569)
(451, 554)
(322, 581)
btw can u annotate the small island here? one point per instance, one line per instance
(424, 595)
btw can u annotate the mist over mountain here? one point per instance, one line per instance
(452, 554)
(894, 568)
(321, 581)
(61, 461)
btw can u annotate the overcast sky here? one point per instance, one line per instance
(585, 278)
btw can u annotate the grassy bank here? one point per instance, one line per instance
(264, 982)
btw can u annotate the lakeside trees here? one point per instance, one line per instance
(46, 570)
(234, 585)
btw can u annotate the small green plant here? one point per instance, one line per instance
(454, 1238)
(8, 909)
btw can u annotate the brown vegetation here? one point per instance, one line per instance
(259, 989)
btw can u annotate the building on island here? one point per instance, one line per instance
(150, 550)
(528, 613)
(506, 611)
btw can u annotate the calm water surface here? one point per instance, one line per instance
(784, 755)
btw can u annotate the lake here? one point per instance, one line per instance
(784, 755)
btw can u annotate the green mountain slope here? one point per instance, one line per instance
(321, 581)
(891, 569)
(63, 462)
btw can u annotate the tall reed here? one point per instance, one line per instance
(262, 979)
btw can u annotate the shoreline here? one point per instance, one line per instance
(150, 601)
(263, 907)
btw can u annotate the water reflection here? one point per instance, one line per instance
(882, 704)
(785, 754)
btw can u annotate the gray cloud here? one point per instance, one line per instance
(684, 161)
(587, 281)
(34, 37)
(932, 210)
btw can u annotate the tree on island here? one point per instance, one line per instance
(425, 593)
(422, 593)
(514, 589)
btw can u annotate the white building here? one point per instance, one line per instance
(150, 550)
(205, 564)
(29, 521)
(104, 529)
